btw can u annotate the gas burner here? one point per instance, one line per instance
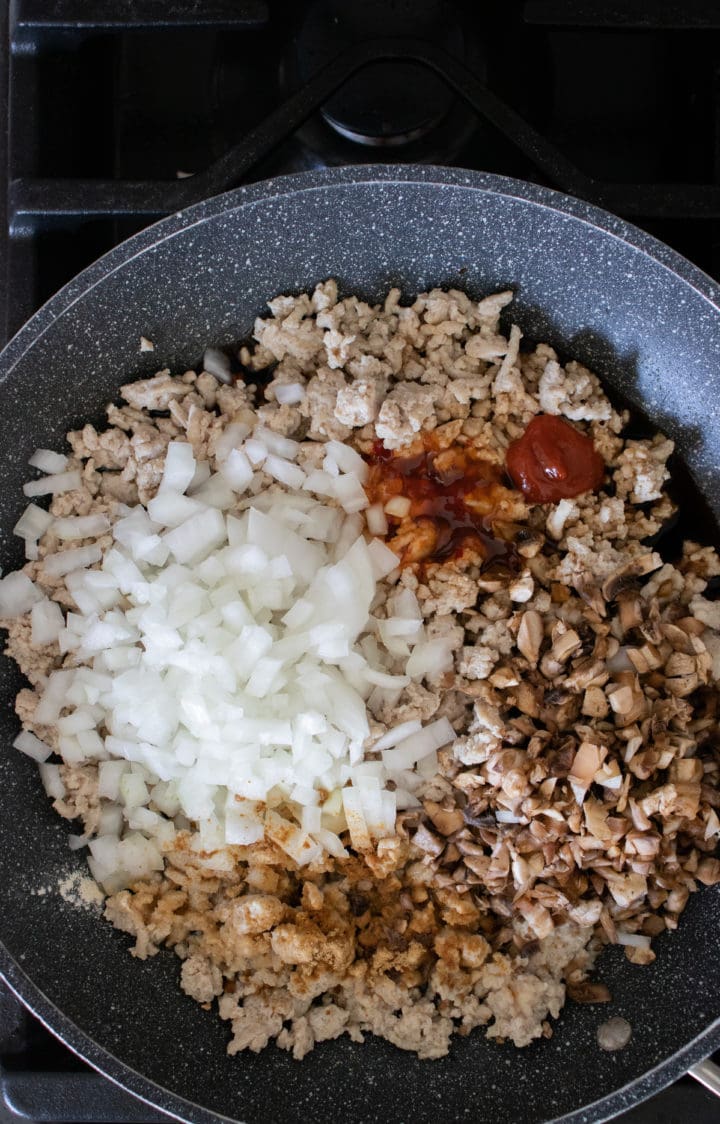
(393, 104)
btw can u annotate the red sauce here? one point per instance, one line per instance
(453, 496)
(554, 461)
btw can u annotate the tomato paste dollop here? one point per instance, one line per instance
(554, 461)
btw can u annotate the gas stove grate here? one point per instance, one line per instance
(574, 94)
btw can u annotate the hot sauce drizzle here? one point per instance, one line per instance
(554, 461)
(454, 495)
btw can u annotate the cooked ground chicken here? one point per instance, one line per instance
(578, 803)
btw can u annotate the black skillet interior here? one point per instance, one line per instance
(646, 320)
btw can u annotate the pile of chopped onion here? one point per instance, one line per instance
(226, 651)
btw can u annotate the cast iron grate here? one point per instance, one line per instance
(108, 102)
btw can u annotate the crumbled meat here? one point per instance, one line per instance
(201, 979)
(403, 413)
(577, 804)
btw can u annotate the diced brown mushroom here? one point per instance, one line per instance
(630, 610)
(428, 842)
(686, 769)
(530, 636)
(680, 663)
(646, 658)
(683, 685)
(586, 763)
(596, 814)
(626, 889)
(708, 871)
(681, 799)
(639, 955)
(587, 991)
(595, 703)
(446, 821)
(590, 673)
(504, 677)
(624, 577)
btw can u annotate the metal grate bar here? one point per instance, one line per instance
(133, 15)
(32, 199)
(651, 15)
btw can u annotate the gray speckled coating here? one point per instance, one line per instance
(644, 318)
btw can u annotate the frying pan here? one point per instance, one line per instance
(601, 290)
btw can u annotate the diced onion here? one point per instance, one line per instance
(57, 565)
(48, 461)
(17, 595)
(633, 940)
(46, 622)
(32, 746)
(376, 520)
(81, 526)
(33, 523)
(398, 506)
(288, 393)
(216, 363)
(54, 485)
(222, 654)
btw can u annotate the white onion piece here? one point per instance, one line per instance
(355, 818)
(179, 469)
(633, 940)
(398, 506)
(332, 843)
(53, 698)
(237, 470)
(288, 393)
(430, 657)
(54, 485)
(275, 443)
(347, 460)
(216, 363)
(57, 565)
(33, 522)
(321, 483)
(17, 595)
(46, 622)
(52, 781)
(201, 474)
(502, 815)
(232, 438)
(383, 679)
(413, 748)
(194, 539)
(377, 523)
(291, 839)
(383, 559)
(48, 461)
(215, 492)
(255, 451)
(32, 746)
(81, 526)
(289, 474)
(170, 509)
(397, 734)
(350, 494)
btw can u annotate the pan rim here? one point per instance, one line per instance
(239, 199)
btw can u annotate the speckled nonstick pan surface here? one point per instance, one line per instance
(644, 318)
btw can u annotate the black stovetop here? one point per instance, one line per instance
(120, 111)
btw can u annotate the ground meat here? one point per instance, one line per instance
(81, 795)
(200, 979)
(403, 413)
(579, 677)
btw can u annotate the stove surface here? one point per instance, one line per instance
(118, 112)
